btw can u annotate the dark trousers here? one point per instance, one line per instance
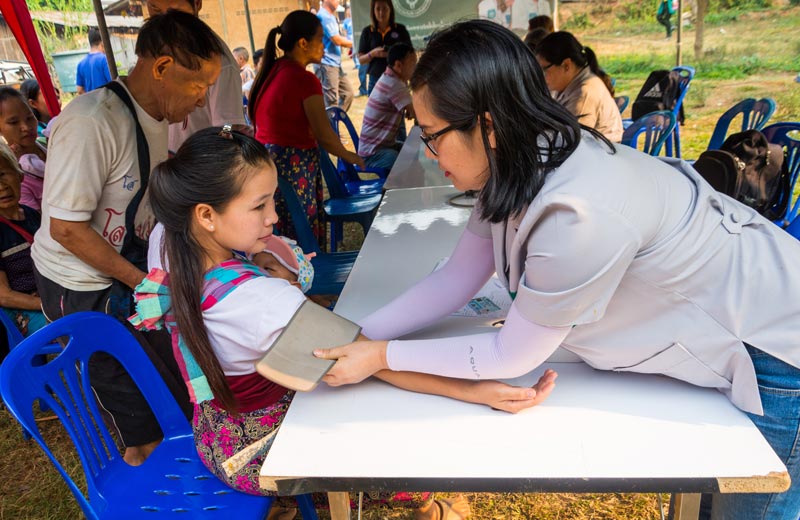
(114, 388)
(663, 18)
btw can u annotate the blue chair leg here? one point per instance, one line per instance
(306, 506)
(677, 135)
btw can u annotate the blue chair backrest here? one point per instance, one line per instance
(622, 103)
(687, 73)
(12, 332)
(336, 115)
(63, 384)
(305, 235)
(657, 127)
(755, 115)
(335, 184)
(787, 135)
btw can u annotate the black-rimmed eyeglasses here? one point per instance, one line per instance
(427, 139)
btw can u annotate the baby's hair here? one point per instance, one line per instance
(209, 168)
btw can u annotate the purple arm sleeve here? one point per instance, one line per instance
(441, 293)
(519, 347)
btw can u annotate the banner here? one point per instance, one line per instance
(423, 17)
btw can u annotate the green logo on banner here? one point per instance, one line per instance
(412, 8)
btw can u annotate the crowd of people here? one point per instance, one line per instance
(162, 171)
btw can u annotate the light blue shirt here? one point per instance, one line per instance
(348, 28)
(330, 28)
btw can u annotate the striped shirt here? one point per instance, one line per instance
(383, 114)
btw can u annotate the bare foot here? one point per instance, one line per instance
(445, 509)
(136, 455)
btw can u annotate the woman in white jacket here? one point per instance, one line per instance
(632, 263)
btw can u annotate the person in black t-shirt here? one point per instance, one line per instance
(377, 37)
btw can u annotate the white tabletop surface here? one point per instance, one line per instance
(598, 431)
(413, 169)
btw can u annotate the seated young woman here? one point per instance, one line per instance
(579, 84)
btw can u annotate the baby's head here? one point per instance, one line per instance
(283, 258)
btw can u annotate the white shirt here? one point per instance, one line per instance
(92, 173)
(244, 324)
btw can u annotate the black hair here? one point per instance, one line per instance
(372, 12)
(208, 168)
(477, 67)
(543, 21)
(257, 55)
(398, 52)
(94, 37)
(30, 90)
(296, 26)
(534, 37)
(180, 35)
(558, 46)
(7, 93)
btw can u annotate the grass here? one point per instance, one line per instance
(749, 54)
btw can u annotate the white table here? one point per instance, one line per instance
(598, 431)
(413, 169)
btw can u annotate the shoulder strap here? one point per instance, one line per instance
(143, 152)
(19, 229)
(224, 278)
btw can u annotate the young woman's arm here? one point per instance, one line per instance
(519, 347)
(314, 107)
(494, 394)
(439, 294)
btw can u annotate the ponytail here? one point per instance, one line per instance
(591, 61)
(296, 26)
(267, 62)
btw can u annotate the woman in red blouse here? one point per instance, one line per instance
(288, 112)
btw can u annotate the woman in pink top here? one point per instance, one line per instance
(288, 112)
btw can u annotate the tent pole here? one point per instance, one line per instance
(554, 3)
(101, 24)
(249, 27)
(678, 58)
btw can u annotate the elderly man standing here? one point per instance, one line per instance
(224, 99)
(336, 88)
(91, 249)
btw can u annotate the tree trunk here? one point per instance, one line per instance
(702, 9)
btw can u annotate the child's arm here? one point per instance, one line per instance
(495, 394)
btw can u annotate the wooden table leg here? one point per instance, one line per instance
(340, 505)
(687, 506)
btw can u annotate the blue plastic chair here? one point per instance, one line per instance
(622, 103)
(787, 135)
(794, 228)
(172, 480)
(343, 207)
(673, 146)
(330, 269)
(657, 127)
(755, 115)
(12, 332)
(349, 172)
